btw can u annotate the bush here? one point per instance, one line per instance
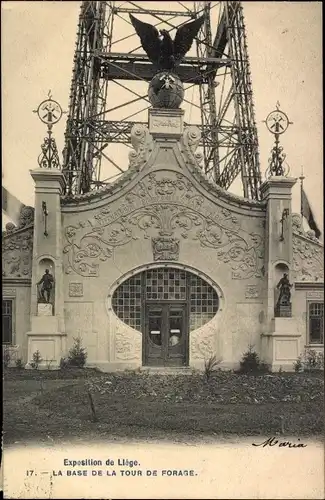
(309, 360)
(36, 360)
(64, 363)
(6, 356)
(251, 362)
(19, 364)
(77, 354)
(210, 366)
(298, 366)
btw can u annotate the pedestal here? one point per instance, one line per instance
(44, 309)
(166, 123)
(281, 348)
(50, 347)
(283, 311)
(45, 337)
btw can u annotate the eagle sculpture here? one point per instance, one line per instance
(166, 54)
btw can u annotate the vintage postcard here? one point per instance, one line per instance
(162, 250)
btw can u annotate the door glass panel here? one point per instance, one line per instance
(155, 325)
(175, 326)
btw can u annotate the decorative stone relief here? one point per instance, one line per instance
(202, 342)
(26, 218)
(128, 343)
(76, 289)
(160, 207)
(9, 292)
(315, 294)
(142, 143)
(252, 292)
(297, 228)
(190, 142)
(308, 259)
(17, 254)
(165, 248)
(165, 125)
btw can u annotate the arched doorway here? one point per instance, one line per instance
(165, 304)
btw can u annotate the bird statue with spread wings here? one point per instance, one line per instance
(166, 54)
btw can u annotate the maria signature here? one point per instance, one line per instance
(272, 441)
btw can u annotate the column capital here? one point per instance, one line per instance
(277, 187)
(47, 177)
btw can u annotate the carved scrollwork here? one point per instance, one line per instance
(127, 344)
(25, 219)
(85, 252)
(168, 207)
(202, 343)
(142, 143)
(165, 248)
(308, 259)
(189, 142)
(17, 253)
(297, 228)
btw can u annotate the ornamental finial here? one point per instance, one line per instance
(277, 123)
(49, 112)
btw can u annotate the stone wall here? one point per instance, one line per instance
(165, 213)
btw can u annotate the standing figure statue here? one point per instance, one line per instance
(285, 291)
(46, 281)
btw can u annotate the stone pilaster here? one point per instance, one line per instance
(279, 341)
(276, 191)
(47, 320)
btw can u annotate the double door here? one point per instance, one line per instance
(166, 334)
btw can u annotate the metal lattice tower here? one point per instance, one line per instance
(215, 72)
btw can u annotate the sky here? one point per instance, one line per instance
(285, 51)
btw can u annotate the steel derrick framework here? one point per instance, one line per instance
(219, 72)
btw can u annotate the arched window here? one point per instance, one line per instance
(160, 285)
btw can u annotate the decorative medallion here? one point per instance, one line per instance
(252, 292)
(76, 289)
(277, 123)
(49, 111)
(165, 248)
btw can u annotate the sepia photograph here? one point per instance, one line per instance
(162, 250)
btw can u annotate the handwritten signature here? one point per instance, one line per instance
(272, 441)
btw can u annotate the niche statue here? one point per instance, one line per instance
(47, 282)
(285, 291)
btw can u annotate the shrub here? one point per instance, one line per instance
(251, 362)
(320, 361)
(48, 363)
(64, 363)
(297, 365)
(309, 360)
(210, 366)
(77, 354)
(6, 356)
(19, 364)
(36, 360)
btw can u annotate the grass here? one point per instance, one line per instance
(54, 405)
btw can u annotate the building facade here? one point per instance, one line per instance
(162, 268)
